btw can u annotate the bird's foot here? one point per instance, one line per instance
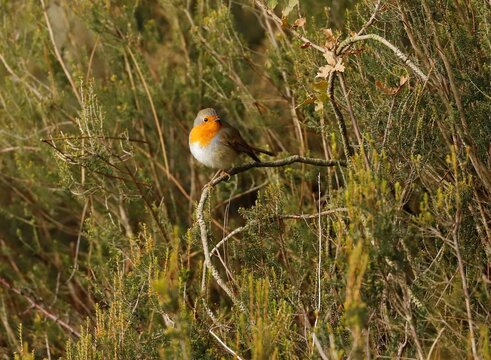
(225, 173)
(217, 175)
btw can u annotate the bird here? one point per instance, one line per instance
(217, 144)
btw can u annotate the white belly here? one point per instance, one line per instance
(215, 155)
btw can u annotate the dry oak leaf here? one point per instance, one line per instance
(392, 90)
(330, 39)
(333, 64)
(402, 80)
(299, 22)
(386, 89)
(329, 34)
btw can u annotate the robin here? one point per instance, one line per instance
(217, 144)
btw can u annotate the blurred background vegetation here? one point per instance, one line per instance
(388, 257)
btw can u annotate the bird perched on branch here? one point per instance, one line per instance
(217, 144)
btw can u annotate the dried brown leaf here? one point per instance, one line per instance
(308, 101)
(328, 34)
(387, 89)
(402, 80)
(333, 64)
(329, 56)
(324, 71)
(339, 67)
(299, 22)
(330, 39)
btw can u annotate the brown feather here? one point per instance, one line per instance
(232, 138)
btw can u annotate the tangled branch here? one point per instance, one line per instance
(237, 170)
(34, 305)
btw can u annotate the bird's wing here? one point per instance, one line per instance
(230, 136)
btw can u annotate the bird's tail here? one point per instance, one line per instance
(267, 152)
(251, 151)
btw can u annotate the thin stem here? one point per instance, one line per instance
(465, 288)
(348, 150)
(225, 345)
(350, 109)
(354, 123)
(277, 19)
(39, 307)
(204, 239)
(79, 238)
(371, 20)
(160, 131)
(95, 137)
(274, 217)
(433, 346)
(58, 54)
(318, 346)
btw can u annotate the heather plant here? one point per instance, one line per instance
(367, 235)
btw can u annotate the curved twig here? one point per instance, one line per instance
(276, 163)
(348, 150)
(229, 350)
(344, 44)
(204, 239)
(282, 217)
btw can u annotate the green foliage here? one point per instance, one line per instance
(101, 254)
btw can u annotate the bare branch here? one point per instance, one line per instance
(274, 217)
(206, 193)
(344, 45)
(95, 137)
(348, 150)
(58, 54)
(39, 308)
(225, 345)
(277, 163)
(277, 19)
(204, 240)
(371, 20)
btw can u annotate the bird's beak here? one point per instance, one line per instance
(215, 118)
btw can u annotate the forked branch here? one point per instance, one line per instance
(35, 305)
(236, 170)
(405, 59)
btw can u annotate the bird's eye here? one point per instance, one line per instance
(205, 119)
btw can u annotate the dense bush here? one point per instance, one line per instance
(386, 254)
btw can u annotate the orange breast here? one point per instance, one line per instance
(204, 133)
